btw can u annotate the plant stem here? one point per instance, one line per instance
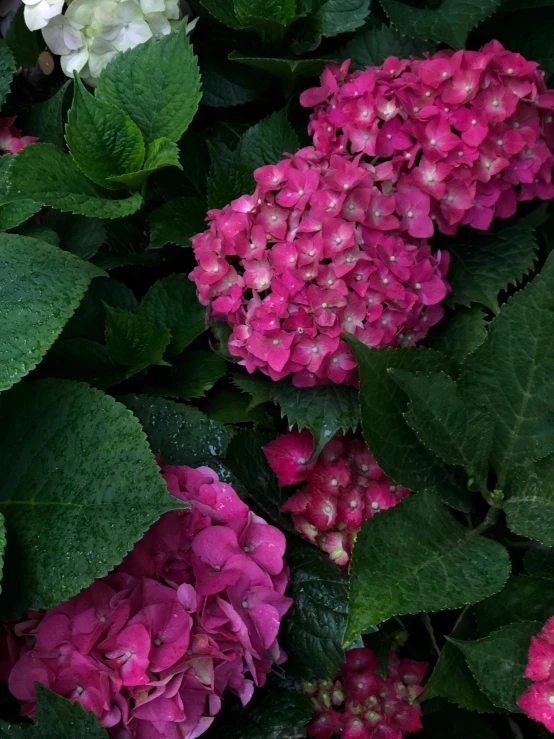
(488, 522)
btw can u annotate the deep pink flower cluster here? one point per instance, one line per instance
(345, 487)
(11, 140)
(467, 133)
(306, 258)
(538, 700)
(360, 704)
(193, 609)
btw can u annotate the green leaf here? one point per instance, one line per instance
(89, 321)
(225, 86)
(267, 141)
(371, 45)
(56, 718)
(101, 138)
(80, 235)
(523, 598)
(7, 70)
(511, 375)
(79, 488)
(223, 11)
(40, 287)
(179, 433)
(459, 333)
(539, 562)
(191, 375)
(451, 677)
(447, 424)
(176, 221)
(228, 178)
(489, 262)
(157, 84)
(229, 406)
(46, 175)
(323, 409)
(134, 341)
(2, 546)
(455, 723)
(160, 153)
(172, 302)
(269, 17)
(498, 662)
(45, 120)
(415, 557)
(393, 443)
(311, 632)
(288, 70)
(257, 385)
(12, 213)
(25, 44)
(83, 360)
(448, 23)
(39, 232)
(530, 504)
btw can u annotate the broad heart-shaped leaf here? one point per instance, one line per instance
(478, 273)
(257, 385)
(101, 138)
(47, 176)
(229, 406)
(329, 18)
(79, 488)
(55, 718)
(83, 360)
(89, 321)
(372, 44)
(455, 723)
(530, 504)
(447, 424)
(392, 442)
(80, 235)
(539, 562)
(7, 70)
(511, 375)
(40, 287)
(416, 557)
(288, 70)
(179, 433)
(223, 11)
(323, 409)
(266, 17)
(523, 598)
(176, 221)
(229, 178)
(160, 153)
(45, 120)
(498, 661)
(224, 86)
(311, 632)
(133, 340)
(157, 84)
(172, 302)
(451, 677)
(191, 375)
(459, 332)
(12, 213)
(448, 23)
(267, 141)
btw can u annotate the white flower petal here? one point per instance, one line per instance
(61, 36)
(97, 62)
(132, 34)
(152, 6)
(37, 15)
(74, 61)
(159, 25)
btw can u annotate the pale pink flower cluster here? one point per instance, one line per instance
(313, 253)
(467, 133)
(345, 486)
(192, 611)
(538, 700)
(11, 140)
(359, 703)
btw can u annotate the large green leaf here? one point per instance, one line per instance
(222, 10)
(450, 426)
(12, 212)
(47, 176)
(176, 221)
(133, 340)
(451, 677)
(229, 178)
(225, 86)
(83, 360)
(416, 557)
(488, 262)
(311, 633)
(459, 332)
(511, 375)
(328, 18)
(157, 84)
(79, 488)
(7, 70)
(498, 662)
(40, 287)
(267, 17)
(55, 718)
(45, 120)
(78, 234)
(539, 562)
(191, 375)
(172, 302)
(393, 443)
(89, 321)
(160, 154)
(288, 70)
(450, 22)
(101, 138)
(530, 504)
(523, 598)
(372, 44)
(257, 385)
(323, 409)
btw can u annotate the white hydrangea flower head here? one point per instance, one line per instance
(91, 32)
(38, 13)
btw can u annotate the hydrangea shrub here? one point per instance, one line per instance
(300, 260)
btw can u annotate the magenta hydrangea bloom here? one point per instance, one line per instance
(538, 700)
(359, 703)
(192, 611)
(344, 487)
(11, 140)
(315, 252)
(466, 134)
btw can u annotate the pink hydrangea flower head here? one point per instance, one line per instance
(538, 700)
(193, 611)
(344, 487)
(358, 703)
